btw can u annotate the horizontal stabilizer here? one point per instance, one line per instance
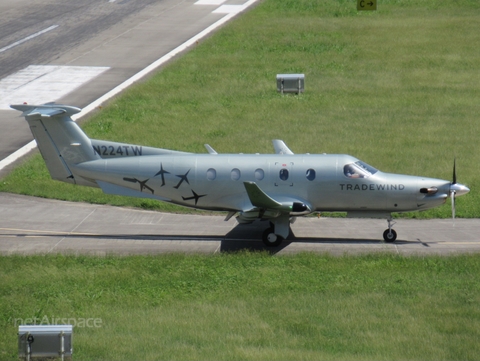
(45, 110)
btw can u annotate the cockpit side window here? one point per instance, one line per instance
(358, 169)
(368, 168)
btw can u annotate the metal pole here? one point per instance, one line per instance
(62, 349)
(29, 349)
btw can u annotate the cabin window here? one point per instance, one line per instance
(235, 174)
(311, 174)
(358, 169)
(211, 174)
(283, 174)
(259, 174)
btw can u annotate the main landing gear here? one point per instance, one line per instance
(390, 235)
(270, 239)
(278, 231)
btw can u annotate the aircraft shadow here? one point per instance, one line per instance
(247, 237)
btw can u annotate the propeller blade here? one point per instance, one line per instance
(454, 172)
(452, 196)
(455, 189)
(452, 191)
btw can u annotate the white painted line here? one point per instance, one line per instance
(38, 84)
(18, 154)
(229, 9)
(210, 2)
(22, 151)
(28, 38)
(158, 63)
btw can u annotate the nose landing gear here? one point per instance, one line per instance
(390, 235)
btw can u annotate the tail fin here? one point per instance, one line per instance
(59, 138)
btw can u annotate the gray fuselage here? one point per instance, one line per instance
(215, 181)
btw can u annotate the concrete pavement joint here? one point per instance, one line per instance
(73, 230)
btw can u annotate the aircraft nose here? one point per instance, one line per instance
(459, 189)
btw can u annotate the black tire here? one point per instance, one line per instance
(389, 236)
(270, 239)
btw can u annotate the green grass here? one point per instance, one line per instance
(250, 306)
(397, 88)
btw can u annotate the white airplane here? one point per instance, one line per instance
(276, 187)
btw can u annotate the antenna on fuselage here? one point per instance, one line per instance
(281, 147)
(210, 149)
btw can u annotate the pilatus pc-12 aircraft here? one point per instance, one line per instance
(276, 187)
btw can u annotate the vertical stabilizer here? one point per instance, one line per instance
(61, 141)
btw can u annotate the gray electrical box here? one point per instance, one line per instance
(291, 83)
(45, 341)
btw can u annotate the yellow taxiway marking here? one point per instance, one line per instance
(46, 232)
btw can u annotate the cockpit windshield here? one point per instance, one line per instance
(359, 169)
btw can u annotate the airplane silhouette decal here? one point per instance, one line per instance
(196, 197)
(276, 187)
(143, 184)
(182, 179)
(162, 173)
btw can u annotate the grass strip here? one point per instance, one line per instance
(248, 306)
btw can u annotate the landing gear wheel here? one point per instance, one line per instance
(271, 239)
(389, 235)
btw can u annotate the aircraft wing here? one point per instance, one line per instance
(260, 199)
(267, 205)
(279, 211)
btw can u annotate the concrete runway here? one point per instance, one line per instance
(30, 225)
(116, 39)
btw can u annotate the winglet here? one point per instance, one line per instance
(281, 147)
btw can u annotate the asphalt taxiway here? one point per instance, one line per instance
(30, 225)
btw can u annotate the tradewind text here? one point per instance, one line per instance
(372, 187)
